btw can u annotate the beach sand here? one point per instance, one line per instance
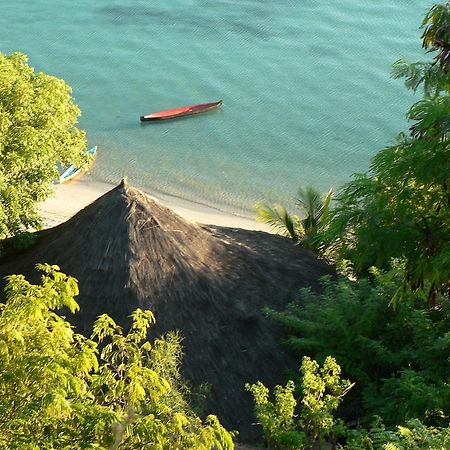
(75, 195)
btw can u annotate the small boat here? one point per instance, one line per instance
(182, 111)
(73, 170)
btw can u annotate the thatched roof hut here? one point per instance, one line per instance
(208, 282)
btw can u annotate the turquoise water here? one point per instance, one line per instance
(306, 87)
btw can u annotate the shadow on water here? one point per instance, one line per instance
(248, 22)
(123, 15)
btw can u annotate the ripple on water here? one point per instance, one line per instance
(306, 88)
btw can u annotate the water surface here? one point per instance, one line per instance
(306, 87)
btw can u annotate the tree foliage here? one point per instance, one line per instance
(60, 390)
(401, 207)
(398, 357)
(414, 435)
(322, 389)
(37, 129)
(277, 417)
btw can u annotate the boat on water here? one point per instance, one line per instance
(72, 171)
(181, 111)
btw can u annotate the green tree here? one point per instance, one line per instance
(277, 417)
(37, 129)
(401, 207)
(58, 390)
(314, 208)
(398, 357)
(322, 390)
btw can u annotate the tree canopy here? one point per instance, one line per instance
(61, 390)
(400, 208)
(398, 357)
(37, 130)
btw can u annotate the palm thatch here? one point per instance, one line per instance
(208, 282)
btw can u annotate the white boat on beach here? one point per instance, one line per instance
(73, 170)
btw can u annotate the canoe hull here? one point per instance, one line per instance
(72, 171)
(181, 112)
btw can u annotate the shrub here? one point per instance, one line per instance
(398, 356)
(322, 390)
(60, 390)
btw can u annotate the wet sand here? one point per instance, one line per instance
(75, 195)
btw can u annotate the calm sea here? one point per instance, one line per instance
(306, 87)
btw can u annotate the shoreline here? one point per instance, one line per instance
(73, 196)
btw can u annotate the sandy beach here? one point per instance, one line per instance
(71, 197)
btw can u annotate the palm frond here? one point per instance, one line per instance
(309, 201)
(279, 219)
(325, 208)
(314, 205)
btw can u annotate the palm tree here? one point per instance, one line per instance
(314, 207)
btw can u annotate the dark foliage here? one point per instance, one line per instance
(399, 357)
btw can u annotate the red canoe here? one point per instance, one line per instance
(183, 111)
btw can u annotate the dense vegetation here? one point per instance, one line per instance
(322, 391)
(292, 422)
(60, 390)
(37, 129)
(398, 357)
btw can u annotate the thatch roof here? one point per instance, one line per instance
(208, 282)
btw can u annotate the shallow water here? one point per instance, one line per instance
(306, 87)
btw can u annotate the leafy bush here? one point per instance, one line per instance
(413, 436)
(398, 356)
(277, 418)
(60, 390)
(322, 391)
